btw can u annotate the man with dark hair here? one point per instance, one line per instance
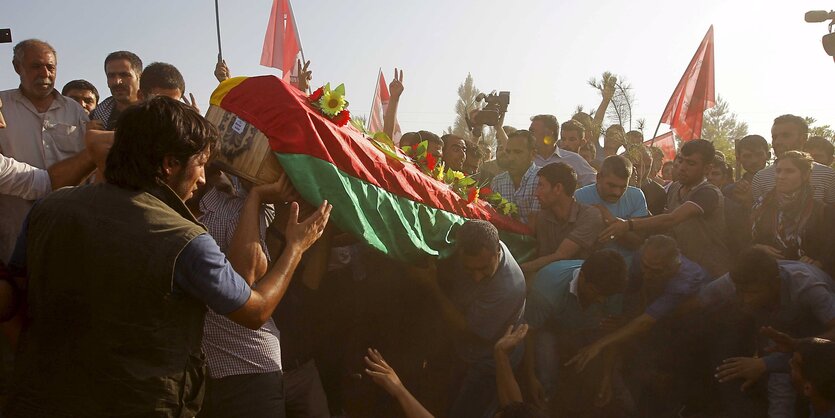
(634, 138)
(565, 229)
(435, 144)
(545, 130)
(813, 374)
(475, 156)
(83, 92)
(695, 211)
(135, 269)
(454, 152)
(784, 295)
(483, 294)
(789, 133)
(721, 173)
(662, 283)
(565, 310)
(518, 183)
(161, 79)
(643, 160)
(43, 128)
(821, 149)
(752, 154)
(573, 135)
(123, 70)
(615, 198)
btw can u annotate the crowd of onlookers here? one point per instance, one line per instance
(166, 287)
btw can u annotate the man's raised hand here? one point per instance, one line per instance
(396, 85)
(302, 235)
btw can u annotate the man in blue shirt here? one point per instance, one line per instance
(616, 199)
(567, 308)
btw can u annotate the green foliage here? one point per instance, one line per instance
(825, 131)
(722, 127)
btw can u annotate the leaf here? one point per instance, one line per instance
(359, 125)
(382, 137)
(326, 87)
(340, 90)
(422, 148)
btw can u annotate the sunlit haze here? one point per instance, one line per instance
(768, 60)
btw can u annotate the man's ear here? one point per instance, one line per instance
(170, 165)
(16, 66)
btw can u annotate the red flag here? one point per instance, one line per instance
(694, 93)
(667, 143)
(379, 105)
(281, 42)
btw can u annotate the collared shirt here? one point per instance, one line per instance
(40, 140)
(524, 196)
(586, 174)
(233, 349)
(583, 226)
(554, 304)
(822, 180)
(22, 180)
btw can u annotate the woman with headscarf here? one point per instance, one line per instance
(787, 222)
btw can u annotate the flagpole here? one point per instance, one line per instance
(217, 22)
(298, 37)
(376, 90)
(652, 143)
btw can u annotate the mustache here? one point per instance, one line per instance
(43, 81)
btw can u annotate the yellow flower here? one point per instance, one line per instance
(332, 103)
(457, 175)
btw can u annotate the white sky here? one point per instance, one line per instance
(768, 60)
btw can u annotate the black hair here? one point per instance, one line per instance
(704, 149)
(530, 140)
(821, 143)
(133, 59)
(818, 366)
(616, 165)
(665, 245)
(752, 143)
(150, 131)
(161, 75)
(80, 85)
(574, 125)
(606, 269)
(796, 120)
(753, 265)
(560, 173)
(476, 235)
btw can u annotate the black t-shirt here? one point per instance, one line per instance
(656, 197)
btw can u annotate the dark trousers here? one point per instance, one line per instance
(303, 392)
(258, 395)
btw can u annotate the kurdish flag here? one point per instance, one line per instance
(390, 205)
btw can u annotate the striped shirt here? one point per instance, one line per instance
(233, 349)
(822, 180)
(525, 196)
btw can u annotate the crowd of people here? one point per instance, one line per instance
(159, 285)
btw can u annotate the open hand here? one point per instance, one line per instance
(302, 235)
(511, 338)
(381, 373)
(783, 342)
(747, 368)
(617, 228)
(584, 356)
(305, 75)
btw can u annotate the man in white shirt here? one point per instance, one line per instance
(42, 128)
(545, 129)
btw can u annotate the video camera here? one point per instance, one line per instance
(5, 36)
(828, 40)
(495, 105)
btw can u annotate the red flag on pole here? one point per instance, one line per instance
(379, 104)
(666, 142)
(281, 42)
(694, 93)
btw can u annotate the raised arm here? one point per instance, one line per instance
(395, 90)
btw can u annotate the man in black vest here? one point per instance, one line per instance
(120, 275)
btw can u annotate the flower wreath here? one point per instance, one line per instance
(331, 103)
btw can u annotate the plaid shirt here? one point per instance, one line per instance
(525, 196)
(232, 349)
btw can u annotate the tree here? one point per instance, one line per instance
(620, 109)
(721, 127)
(825, 131)
(467, 93)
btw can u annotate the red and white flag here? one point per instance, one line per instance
(666, 142)
(694, 93)
(282, 46)
(379, 105)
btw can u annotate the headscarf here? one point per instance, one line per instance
(789, 215)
